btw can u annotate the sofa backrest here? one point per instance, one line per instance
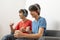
(53, 33)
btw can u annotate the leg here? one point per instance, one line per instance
(42, 38)
(24, 39)
(8, 37)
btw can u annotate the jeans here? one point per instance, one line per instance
(9, 37)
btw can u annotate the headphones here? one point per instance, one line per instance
(25, 13)
(37, 8)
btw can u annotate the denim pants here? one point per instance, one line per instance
(11, 37)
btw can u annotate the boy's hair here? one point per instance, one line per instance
(35, 7)
(24, 11)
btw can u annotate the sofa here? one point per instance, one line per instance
(52, 35)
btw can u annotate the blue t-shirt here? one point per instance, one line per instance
(38, 24)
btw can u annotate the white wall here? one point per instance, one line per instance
(9, 11)
(50, 9)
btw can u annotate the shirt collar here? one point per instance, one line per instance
(38, 18)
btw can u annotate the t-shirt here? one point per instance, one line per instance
(38, 24)
(24, 24)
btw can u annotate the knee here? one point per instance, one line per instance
(5, 37)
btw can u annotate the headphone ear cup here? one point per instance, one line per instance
(25, 14)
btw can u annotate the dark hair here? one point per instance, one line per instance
(35, 7)
(38, 6)
(25, 12)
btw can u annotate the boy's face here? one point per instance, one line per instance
(21, 15)
(33, 13)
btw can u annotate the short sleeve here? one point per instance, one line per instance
(31, 25)
(42, 23)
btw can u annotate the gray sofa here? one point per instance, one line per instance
(52, 35)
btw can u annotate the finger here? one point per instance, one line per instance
(15, 35)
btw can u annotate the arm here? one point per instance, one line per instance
(42, 27)
(28, 29)
(39, 34)
(11, 27)
(25, 30)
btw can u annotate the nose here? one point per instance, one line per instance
(19, 15)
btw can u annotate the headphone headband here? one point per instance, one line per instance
(37, 8)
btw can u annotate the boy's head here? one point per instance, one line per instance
(23, 13)
(35, 10)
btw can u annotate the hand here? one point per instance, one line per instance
(11, 24)
(18, 34)
(28, 29)
(17, 31)
(22, 29)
